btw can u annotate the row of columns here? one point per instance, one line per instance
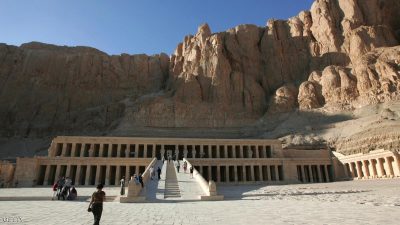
(384, 167)
(249, 173)
(88, 174)
(307, 174)
(221, 151)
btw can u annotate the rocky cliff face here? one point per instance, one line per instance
(339, 55)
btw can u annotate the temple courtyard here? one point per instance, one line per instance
(350, 202)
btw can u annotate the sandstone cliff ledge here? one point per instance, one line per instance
(338, 57)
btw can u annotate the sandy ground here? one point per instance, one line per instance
(354, 202)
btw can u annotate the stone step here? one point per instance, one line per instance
(171, 183)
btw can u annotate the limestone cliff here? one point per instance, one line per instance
(340, 55)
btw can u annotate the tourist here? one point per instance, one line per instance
(184, 166)
(136, 179)
(140, 179)
(191, 171)
(132, 179)
(177, 165)
(60, 186)
(96, 204)
(73, 194)
(68, 184)
(159, 173)
(151, 172)
(55, 185)
(122, 183)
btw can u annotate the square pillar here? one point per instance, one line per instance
(241, 151)
(119, 153)
(87, 178)
(73, 150)
(303, 172)
(396, 165)
(276, 173)
(77, 175)
(127, 175)
(388, 167)
(154, 151)
(127, 151)
(352, 169)
(98, 168)
(145, 151)
(108, 168)
(193, 151)
(68, 172)
(268, 171)
(372, 169)
(256, 153)
(326, 173)
(365, 168)
(319, 174)
(380, 168)
(64, 149)
(136, 150)
(252, 172)
(218, 173)
(311, 174)
(244, 173)
(359, 175)
(46, 175)
(209, 151)
(218, 153)
(227, 180)
(117, 175)
(101, 150)
(236, 173)
(137, 170)
(91, 150)
(201, 151)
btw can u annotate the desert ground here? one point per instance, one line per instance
(350, 202)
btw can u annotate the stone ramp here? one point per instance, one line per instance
(171, 183)
(190, 189)
(154, 189)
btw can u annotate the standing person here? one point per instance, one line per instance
(159, 173)
(141, 179)
(191, 171)
(184, 166)
(122, 183)
(54, 190)
(73, 194)
(151, 172)
(68, 184)
(96, 204)
(60, 186)
(177, 165)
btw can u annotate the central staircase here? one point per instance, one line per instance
(171, 183)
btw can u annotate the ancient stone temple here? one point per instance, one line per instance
(91, 160)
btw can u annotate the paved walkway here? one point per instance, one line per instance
(190, 189)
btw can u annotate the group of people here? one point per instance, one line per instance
(153, 173)
(64, 189)
(178, 166)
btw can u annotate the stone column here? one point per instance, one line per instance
(101, 150)
(261, 173)
(47, 175)
(311, 174)
(108, 168)
(252, 167)
(162, 151)
(236, 173)
(209, 151)
(68, 172)
(119, 153)
(87, 178)
(98, 169)
(137, 170)
(218, 153)
(396, 165)
(73, 150)
(201, 151)
(145, 151)
(185, 151)
(241, 151)
(136, 150)
(256, 152)
(64, 149)
(77, 175)
(226, 151)
(117, 175)
(127, 151)
(359, 175)
(154, 151)
(303, 171)
(91, 150)
(264, 151)
(380, 170)
(372, 168)
(109, 152)
(218, 173)
(58, 167)
(365, 168)
(127, 175)
(326, 173)
(193, 151)
(389, 168)
(209, 173)
(227, 174)
(319, 174)
(244, 173)
(176, 153)
(276, 173)
(268, 171)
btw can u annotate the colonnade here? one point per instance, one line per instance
(241, 173)
(387, 166)
(138, 150)
(87, 174)
(314, 173)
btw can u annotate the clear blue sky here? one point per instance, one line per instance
(131, 26)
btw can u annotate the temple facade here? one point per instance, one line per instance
(92, 160)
